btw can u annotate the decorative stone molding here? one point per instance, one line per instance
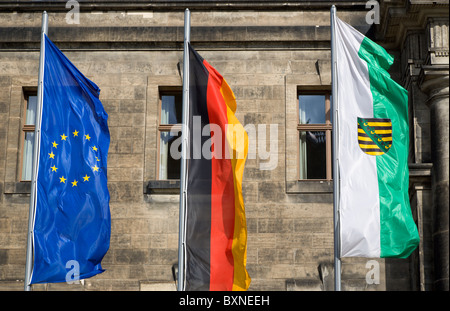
(438, 46)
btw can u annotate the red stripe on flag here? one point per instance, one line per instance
(222, 191)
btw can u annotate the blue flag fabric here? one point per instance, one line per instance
(72, 220)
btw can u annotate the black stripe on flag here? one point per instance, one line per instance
(198, 211)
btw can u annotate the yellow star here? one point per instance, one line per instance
(94, 148)
(75, 133)
(87, 137)
(86, 178)
(63, 137)
(95, 168)
(97, 159)
(54, 168)
(55, 144)
(62, 179)
(74, 183)
(51, 155)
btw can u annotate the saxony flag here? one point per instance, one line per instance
(216, 230)
(375, 215)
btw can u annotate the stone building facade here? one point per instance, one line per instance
(271, 53)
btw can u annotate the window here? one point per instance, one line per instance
(314, 127)
(28, 135)
(169, 130)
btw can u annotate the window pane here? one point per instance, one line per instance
(311, 109)
(171, 109)
(27, 160)
(313, 155)
(31, 110)
(169, 160)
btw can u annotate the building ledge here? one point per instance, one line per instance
(420, 170)
(309, 186)
(157, 286)
(230, 5)
(163, 187)
(420, 175)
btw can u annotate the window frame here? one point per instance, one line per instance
(25, 128)
(326, 127)
(164, 91)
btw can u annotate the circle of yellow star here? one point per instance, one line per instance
(63, 137)
(75, 133)
(62, 179)
(74, 183)
(55, 144)
(87, 137)
(54, 168)
(86, 178)
(51, 155)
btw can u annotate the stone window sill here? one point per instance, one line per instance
(309, 186)
(163, 187)
(21, 187)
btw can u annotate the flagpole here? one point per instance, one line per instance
(37, 131)
(184, 154)
(336, 220)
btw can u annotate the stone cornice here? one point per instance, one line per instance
(419, 176)
(434, 81)
(152, 37)
(143, 38)
(400, 16)
(90, 5)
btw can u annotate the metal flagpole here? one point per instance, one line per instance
(337, 238)
(184, 154)
(35, 166)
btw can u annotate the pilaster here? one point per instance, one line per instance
(434, 81)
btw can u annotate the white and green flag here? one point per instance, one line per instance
(373, 138)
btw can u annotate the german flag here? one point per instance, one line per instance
(216, 229)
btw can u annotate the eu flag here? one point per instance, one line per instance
(72, 224)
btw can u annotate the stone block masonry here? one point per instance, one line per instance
(267, 57)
